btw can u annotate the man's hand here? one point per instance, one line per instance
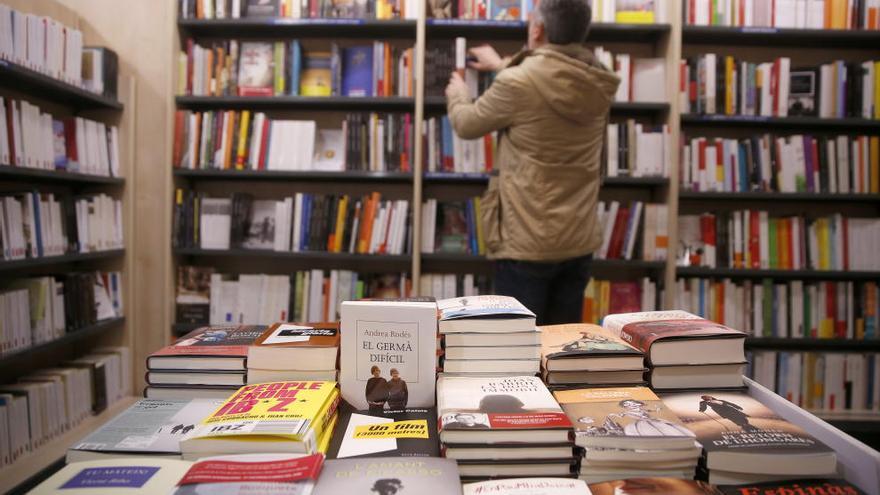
(456, 86)
(487, 59)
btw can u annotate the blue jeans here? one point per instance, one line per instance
(553, 291)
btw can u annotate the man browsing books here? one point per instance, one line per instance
(550, 104)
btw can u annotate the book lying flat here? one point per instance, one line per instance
(704, 376)
(577, 347)
(508, 452)
(252, 473)
(586, 378)
(491, 339)
(484, 314)
(217, 348)
(147, 475)
(170, 392)
(185, 378)
(294, 346)
(528, 486)
(386, 433)
(653, 486)
(521, 468)
(389, 475)
(794, 486)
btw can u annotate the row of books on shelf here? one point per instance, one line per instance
(799, 14)
(34, 225)
(829, 382)
(45, 45)
(284, 68)
(635, 231)
(634, 150)
(452, 227)
(715, 85)
(605, 297)
(297, 9)
(754, 239)
(335, 223)
(47, 403)
(35, 139)
(38, 310)
(794, 309)
(787, 164)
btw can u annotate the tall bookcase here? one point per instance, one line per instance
(671, 41)
(63, 99)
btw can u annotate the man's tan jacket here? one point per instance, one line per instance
(551, 107)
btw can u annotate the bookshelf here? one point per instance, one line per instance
(18, 78)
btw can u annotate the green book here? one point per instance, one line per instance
(767, 307)
(773, 224)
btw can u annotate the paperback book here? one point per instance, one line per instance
(389, 475)
(487, 313)
(269, 474)
(586, 347)
(387, 433)
(218, 347)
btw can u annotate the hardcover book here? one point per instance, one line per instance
(404, 433)
(389, 353)
(625, 417)
(261, 8)
(486, 313)
(389, 475)
(274, 417)
(742, 435)
(586, 347)
(316, 78)
(135, 475)
(499, 410)
(527, 486)
(294, 346)
(657, 486)
(678, 337)
(256, 69)
(218, 347)
(807, 486)
(271, 474)
(357, 71)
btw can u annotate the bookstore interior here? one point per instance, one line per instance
(269, 246)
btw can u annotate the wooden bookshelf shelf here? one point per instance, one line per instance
(699, 271)
(297, 28)
(69, 339)
(809, 344)
(517, 30)
(652, 266)
(437, 104)
(9, 172)
(41, 86)
(844, 125)
(59, 260)
(777, 196)
(53, 452)
(775, 37)
(309, 256)
(268, 103)
(477, 178)
(299, 175)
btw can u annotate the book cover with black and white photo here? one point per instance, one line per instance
(389, 476)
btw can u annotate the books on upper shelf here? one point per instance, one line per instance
(333, 223)
(635, 150)
(799, 14)
(604, 11)
(727, 86)
(406, 433)
(293, 9)
(635, 231)
(149, 427)
(640, 78)
(389, 475)
(134, 475)
(744, 439)
(42, 44)
(38, 310)
(605, 297)
(822, 382)
(291, 351)
(242, 140)
(788, 164)
(31, 138)
(796, 309)
(39, 224)
(756, 240)
(284, 68)
(581, 354)
(273, 417)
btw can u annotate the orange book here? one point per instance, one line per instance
(389, 75)
(875, 164)
(873, 22)
(728, 85)
(367, 223)
(179, 123)
(230, 140)
(198, 140)
(209, 67)
(325, 292)
(719, 302)
(218, 71)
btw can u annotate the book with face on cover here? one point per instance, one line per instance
(386, 433)
(212, 348)
(499, 410)
(678, 337)
(267, 474)
(389, 476)
(623, 417)
(486, 314)
(256, 69)
(147, 475)
(653, 486)
(296, 346)
(740, 434)
(582, 346)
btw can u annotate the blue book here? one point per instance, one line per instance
(307, 213)
(335, 70)
(357, 71)
(295, 66)
(446, 134)
(743, 171)
(472, 232)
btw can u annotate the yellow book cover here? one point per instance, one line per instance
(635, 17)
(267, 417)
(875, 164)
(481, 245)
(316, 78)
(241, 153)
(327, 435)
(279, 68)
(728, 85)
(824, 244)
(340, 225)
(604, 298)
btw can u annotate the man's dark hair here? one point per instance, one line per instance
(565, 21)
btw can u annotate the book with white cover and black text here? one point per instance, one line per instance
(486, 313)
(389, 475)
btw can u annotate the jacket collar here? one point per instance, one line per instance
(576, 51)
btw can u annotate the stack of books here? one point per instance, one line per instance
(628, 432)
(584, 355)
(683, 350)
(504, 427)
(291, 351)
(489, 335)
(208, 362)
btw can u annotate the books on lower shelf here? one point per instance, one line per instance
(332, 223)
(38, 310)
(755, 239)
(821, 382)
(294, 9)
(726, 86)
(605, 297)
(284, 68)
(634, 150)
(788, 164)
(606, 11)
(622, 225)
(36, 225)
(31, 138)
(799, 14)
(794, 309)
(41, 44)
(449, 285)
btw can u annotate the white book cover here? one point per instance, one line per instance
(649, 80)
(528, 486)
(215, 221)
(388, 353)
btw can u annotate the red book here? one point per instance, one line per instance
(264, 145)
(831, 304)
(707, 231)
(774, 86)
(69, 140)
(211, 348)
(189, 65)
(625, 297)
(179, 120)
(615, 245)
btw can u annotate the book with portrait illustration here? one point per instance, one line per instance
(385, 433)
(389, 476)
(741, 435)
(582, 346)
(484, 314)
(624, 418)
(212, 348)
(499, 410)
